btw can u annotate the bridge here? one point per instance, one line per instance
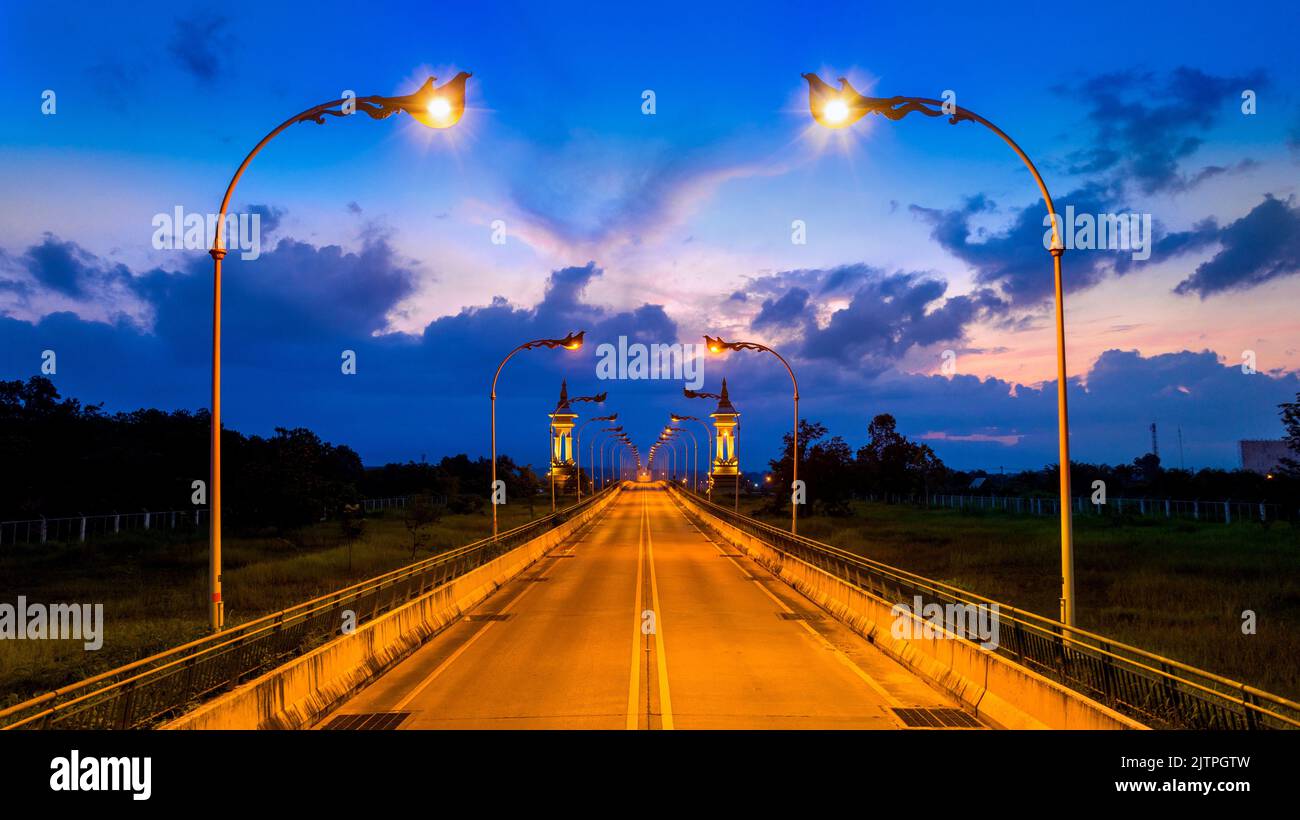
(645, 621)
(649, 607)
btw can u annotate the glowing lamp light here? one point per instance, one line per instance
(832, 107)
(439, 107)
(835, 111)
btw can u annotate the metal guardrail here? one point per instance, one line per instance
(1157, 691)
(140, 694)
(1222, 512)
(83, 528)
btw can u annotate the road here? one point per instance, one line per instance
(643, 622)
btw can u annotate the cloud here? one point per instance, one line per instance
(1016, 260)
(886, 315)
(200, 45)
(1147, 125)
(990, 422)
(591, 199)
(790, 309)
(1259, 247)
(269, 217)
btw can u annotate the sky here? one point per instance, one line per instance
(899, 266)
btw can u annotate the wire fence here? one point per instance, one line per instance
(1223, 512)
(1152, 689)
(84, 528)
(141, 694)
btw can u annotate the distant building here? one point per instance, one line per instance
(1263, 455)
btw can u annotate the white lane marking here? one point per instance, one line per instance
(442, 667)
(665, 697)
(634, 680)
(839, 653)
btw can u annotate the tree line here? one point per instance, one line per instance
(65, 458)
(890, 464)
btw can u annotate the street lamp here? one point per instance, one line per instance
(591, 448)
(687, 453)
(573, 341)
(448, 101)
(708, 443)
(839, 108)
(717, 345)
(619, 438)
(578, 440)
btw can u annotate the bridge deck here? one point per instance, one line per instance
(644, 622)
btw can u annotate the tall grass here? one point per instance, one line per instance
(154, 586)
(1178, 588)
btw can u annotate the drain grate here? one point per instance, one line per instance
(937, 719)
(489, 616)
(368, 721)
(799, 616)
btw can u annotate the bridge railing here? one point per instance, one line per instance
(142, 693)
(1155, 690)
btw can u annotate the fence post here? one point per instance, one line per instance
(1166, 508)
(1196, 510)
(117, 523)
(1261, 511)
(83, 529)
(1227, 513)
(42, 529)
(146, 519)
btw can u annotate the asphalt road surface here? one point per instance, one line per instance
(643, 622)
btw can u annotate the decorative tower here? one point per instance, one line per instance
(562, 466)
(726, 460)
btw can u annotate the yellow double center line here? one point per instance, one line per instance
(645, 554)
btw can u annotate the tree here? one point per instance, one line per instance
(889, 463)
(352, 524)
(825, 468)
(1291, 421)
(421, 514)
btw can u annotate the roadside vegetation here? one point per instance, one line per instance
(153, 585)
(1177, 588)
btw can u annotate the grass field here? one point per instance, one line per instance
(1177, 588)
(154, 587)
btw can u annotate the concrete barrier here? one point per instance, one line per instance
(301, 692)
(995, 688)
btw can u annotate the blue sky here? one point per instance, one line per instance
(922, 237)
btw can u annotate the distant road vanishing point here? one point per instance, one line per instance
(645, 622)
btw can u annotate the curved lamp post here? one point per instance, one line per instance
(618, 437)
(591, 448)
(436, 107)
(693, 456)
(578, 447)
(708, 442)
(717, 346)
(571, 342)
(839, 108)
